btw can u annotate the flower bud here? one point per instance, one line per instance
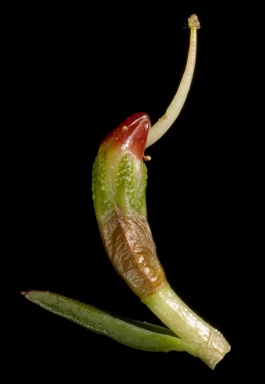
(119, 187)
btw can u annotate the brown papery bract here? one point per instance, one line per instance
(129, 244)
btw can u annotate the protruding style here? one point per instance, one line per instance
(175, 107)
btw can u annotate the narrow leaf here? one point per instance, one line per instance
(134, 334)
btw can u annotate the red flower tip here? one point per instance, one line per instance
(129, 136)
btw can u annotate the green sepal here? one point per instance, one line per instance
(122, 184)
(101, 188)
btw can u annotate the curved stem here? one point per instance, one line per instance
(166, 121)
(204, 341)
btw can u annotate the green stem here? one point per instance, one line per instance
(205, 342)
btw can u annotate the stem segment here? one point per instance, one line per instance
(204, 341)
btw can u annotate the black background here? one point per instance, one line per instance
(76, 73)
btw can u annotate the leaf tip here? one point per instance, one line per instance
(26, 293)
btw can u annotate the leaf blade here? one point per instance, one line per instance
(132, 333)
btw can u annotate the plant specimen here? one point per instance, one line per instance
(118, 187)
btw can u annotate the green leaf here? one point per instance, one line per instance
(134, 334)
